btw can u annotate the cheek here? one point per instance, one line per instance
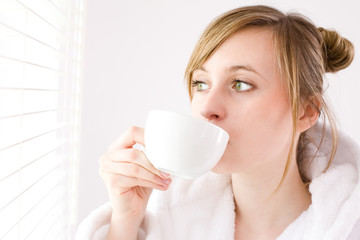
(273, 110)
(195, 107)
(264, 124)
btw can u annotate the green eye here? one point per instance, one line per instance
(200, 86)
(242, 86)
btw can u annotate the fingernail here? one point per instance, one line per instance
(164, 175)
(166, 181)
(164, 188)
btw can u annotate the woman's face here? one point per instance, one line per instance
(239, 89)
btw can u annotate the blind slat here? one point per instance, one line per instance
(8, 219)
(16, 45)
(27, 89)
(30, 63)
(21, 75)
(37, 200)
(10, 187)
(16, 138)
(14, 181)
(38, 212)
(47, 220)
(14, 222)
(19, 16)
(54, 228)
(15, 101)
(15, 169)
(61, 5)
(55, 44)
(28, 113)
(48, 13)
(12, 234)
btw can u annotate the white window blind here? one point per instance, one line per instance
(40, 82)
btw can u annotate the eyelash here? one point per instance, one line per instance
(251, 86)
(194, 84)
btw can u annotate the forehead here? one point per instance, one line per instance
(249, 47)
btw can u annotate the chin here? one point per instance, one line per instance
(226, 163)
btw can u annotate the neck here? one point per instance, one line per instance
(262, 211)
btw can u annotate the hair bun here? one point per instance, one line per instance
(338, 51)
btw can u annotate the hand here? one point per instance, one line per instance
(130, 177)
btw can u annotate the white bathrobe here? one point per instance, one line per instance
(204, 208)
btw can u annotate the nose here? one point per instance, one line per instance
(213, 107)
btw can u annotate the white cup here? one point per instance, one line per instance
(182, 145)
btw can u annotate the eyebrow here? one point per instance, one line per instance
(235, 68)
(241, 67)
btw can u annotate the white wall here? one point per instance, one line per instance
(135, 57)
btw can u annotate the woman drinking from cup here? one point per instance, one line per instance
(285, 174)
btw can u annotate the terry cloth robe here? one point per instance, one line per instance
(203, 208)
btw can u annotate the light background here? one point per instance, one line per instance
(135, 56)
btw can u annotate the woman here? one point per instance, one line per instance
(258, 74)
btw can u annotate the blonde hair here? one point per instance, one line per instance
(303, 53)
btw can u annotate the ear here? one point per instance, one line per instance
(308, 114)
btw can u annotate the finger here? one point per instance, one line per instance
(134, 170)
(120, 184)
(134, 156)
(129, 138)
